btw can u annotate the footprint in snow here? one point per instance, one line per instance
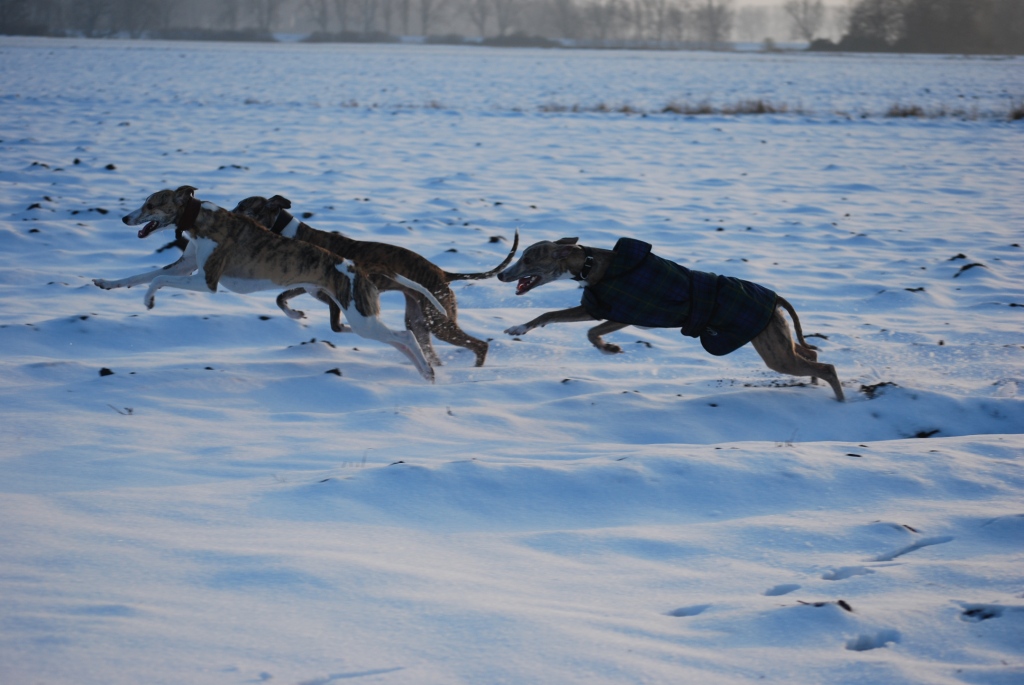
(694, 610)
(779, 590)
(866, 641)
(975, 613)
(920, 544)
(847, 572)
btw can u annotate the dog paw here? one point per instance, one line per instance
(609, 348)
(102, 283)
(517, 330)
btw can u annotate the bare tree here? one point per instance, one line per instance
(713, 21)
(89, 15)
(430, 11)
(602, 16)
(14, 14)
(506, 12)
(876, 23)
(806, 17)
(387, 14)
(659, 15)
(566, 16)
(403, 8)
(319, 11)
(634, 15)
(343, 10)
(839, 20)
(367, 11)
(752, 24)
(480, 12)
(265, 12)
(678, 20)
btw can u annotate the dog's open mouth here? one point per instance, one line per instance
(148, 228)
(527, 284)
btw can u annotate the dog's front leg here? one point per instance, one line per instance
(595, 333)
(559, 316)
(196, 281)
(185, 265)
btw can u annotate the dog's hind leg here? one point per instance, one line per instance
(446, 328)
(282, 303)
(373, 328)
(775, 345)
(803, 348)
(416, 323)
(595, 333)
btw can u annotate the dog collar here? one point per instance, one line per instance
(588, 264)
(286, 225)
(188, 216)
(283, 219)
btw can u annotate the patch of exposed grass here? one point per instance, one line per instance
(905, 111)
(760, 106)
(757, 106)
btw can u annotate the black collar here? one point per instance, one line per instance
(188, 215)
(588, 264)
(283, 219)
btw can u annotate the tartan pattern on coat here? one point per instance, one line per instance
(641, 289)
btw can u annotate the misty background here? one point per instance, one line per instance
(967, 26)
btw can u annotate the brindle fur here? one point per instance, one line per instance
(548, 261)
(421, 321)
(224, 245)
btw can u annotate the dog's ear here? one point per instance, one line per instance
(563, 251)
(279, 202)
(566, 241)
(184, 193)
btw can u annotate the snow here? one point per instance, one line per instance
(222, 508)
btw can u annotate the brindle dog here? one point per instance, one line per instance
(548, 261)
(234, 251)
(421, 321)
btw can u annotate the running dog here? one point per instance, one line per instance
(629, 285)
(234, 251)
(422, 322)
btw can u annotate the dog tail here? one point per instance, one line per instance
(486, 274)
(781, 301)
(402, 280)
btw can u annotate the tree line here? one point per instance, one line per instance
(641, 21)
(950, 26)
(962, 26)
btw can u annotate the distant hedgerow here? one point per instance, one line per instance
(898, 110)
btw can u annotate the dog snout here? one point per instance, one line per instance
(506, 275)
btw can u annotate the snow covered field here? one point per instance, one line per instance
(221, 509)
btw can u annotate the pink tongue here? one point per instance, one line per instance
(524, 285)
(147, 229)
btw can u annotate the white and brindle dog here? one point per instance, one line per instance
(241, 255)
(273, 213)
(615, 282)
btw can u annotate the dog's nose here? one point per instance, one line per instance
(124, 219)
(502, 277)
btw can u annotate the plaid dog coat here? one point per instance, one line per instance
(642, 289)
